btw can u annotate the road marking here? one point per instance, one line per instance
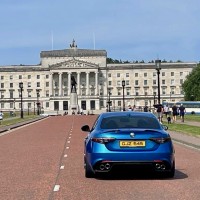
(67, 147)
(69, 137)
(65, 155)
(62, 167)
(56, 188)
(68, 141)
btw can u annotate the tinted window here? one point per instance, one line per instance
(129, 122)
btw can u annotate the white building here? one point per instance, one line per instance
(50, 82)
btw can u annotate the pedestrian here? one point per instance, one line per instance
(182, 112)
(146, 108)
(166, 110)
(159, 112)
(174, 112)
(130, 108)
(1, 116)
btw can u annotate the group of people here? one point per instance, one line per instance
(175, 112)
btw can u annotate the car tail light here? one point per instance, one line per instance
(160, 140)
(103, 140)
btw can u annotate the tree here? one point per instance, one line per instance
(191, 85)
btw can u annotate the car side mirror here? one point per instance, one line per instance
(85, 128)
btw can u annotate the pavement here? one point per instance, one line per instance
(179, 137)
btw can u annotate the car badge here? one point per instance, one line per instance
(132, 134)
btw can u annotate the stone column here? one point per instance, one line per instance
(96, 84)
(69, 83)
(87, 83)
(50, 84)
(60, 83)
(78, 83)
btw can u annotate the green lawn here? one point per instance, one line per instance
(8, 120)
(184, 128)
(192, 118)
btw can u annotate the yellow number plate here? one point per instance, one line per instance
(132, 143)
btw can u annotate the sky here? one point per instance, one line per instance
(129, 30)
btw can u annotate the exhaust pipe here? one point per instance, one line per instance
(102, 167)
(158, 166)
(107, 166)
(163, 167)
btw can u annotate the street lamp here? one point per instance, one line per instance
(158, 68)
(34, 107)
(38, 103)
(21, 89)
(123, 85)
(109, 102)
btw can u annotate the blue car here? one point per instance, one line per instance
(121, 139)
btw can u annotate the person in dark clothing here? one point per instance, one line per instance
(182, 112)
(174, 112)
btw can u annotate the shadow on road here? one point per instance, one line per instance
(138, 175)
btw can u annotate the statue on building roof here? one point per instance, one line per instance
(73, 45)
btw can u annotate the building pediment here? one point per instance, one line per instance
(74, 63)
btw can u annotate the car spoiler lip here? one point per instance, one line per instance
(135, 130)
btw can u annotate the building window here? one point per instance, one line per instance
(56, 84)
(11, 85)
(47, 93)
(119, 103)
(11, 105)
(136, 92)
(136, 82)
(101, 92)
(29, 76)
(127, 75)
(119, 92)
(136, 74)
(163, 73)
(154, 82)
(20, 76)
(38, 84)
(2, 77)
(2, 85)
(181, 81)
(11, 94)
(109, 75)
(29, 84)
(118, 75)
(172, 73)
(109, 83)
(118, 83)
(154, 74)
(38, 76)
(11, 77)
(145, 82)
(172, 81)
(47, 76)
(47, 84)
(47, 104)
(163, 91)
(181, 73)
(145, 74)
(2, 95)
(127, 82)
(2, 105)
(128, 92)
(163, 82)
(29, 93)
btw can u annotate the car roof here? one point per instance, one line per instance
(127, 113)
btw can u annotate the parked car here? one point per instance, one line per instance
(119, 139)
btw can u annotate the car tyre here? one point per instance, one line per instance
(88, 171)
(171, 173)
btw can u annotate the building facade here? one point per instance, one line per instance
(47, 86)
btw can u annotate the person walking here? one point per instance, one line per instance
(166, 110)
(182, 112)
(174, 112)
(159, 112)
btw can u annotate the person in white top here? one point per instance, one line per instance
(166, 110)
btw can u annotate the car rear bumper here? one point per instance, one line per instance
(108, 161)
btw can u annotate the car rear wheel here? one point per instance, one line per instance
(88, 172)
(171, 173)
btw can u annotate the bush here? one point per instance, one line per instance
(192, 113)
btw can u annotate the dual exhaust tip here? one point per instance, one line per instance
(105, 166)
(159, 166)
